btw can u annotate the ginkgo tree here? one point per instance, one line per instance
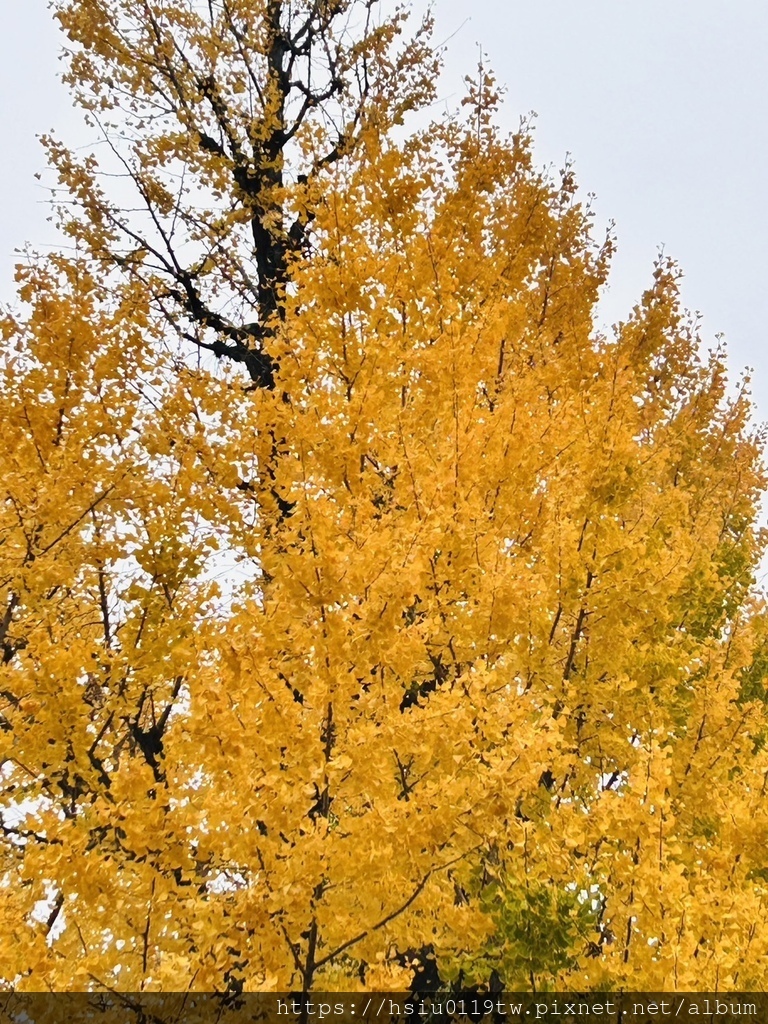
(367, 609)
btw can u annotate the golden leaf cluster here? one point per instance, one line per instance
(362, 603)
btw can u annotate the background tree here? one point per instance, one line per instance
(492, 689)
(224, 118)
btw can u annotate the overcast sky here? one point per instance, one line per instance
(663, 105)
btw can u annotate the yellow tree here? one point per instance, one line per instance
(490, 688)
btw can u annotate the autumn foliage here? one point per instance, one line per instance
(364, 605)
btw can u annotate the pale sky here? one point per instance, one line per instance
(662, 104)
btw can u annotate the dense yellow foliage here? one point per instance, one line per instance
(430, 634)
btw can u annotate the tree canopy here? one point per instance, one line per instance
(365, 606)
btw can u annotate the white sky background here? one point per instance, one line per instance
(663, 105)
